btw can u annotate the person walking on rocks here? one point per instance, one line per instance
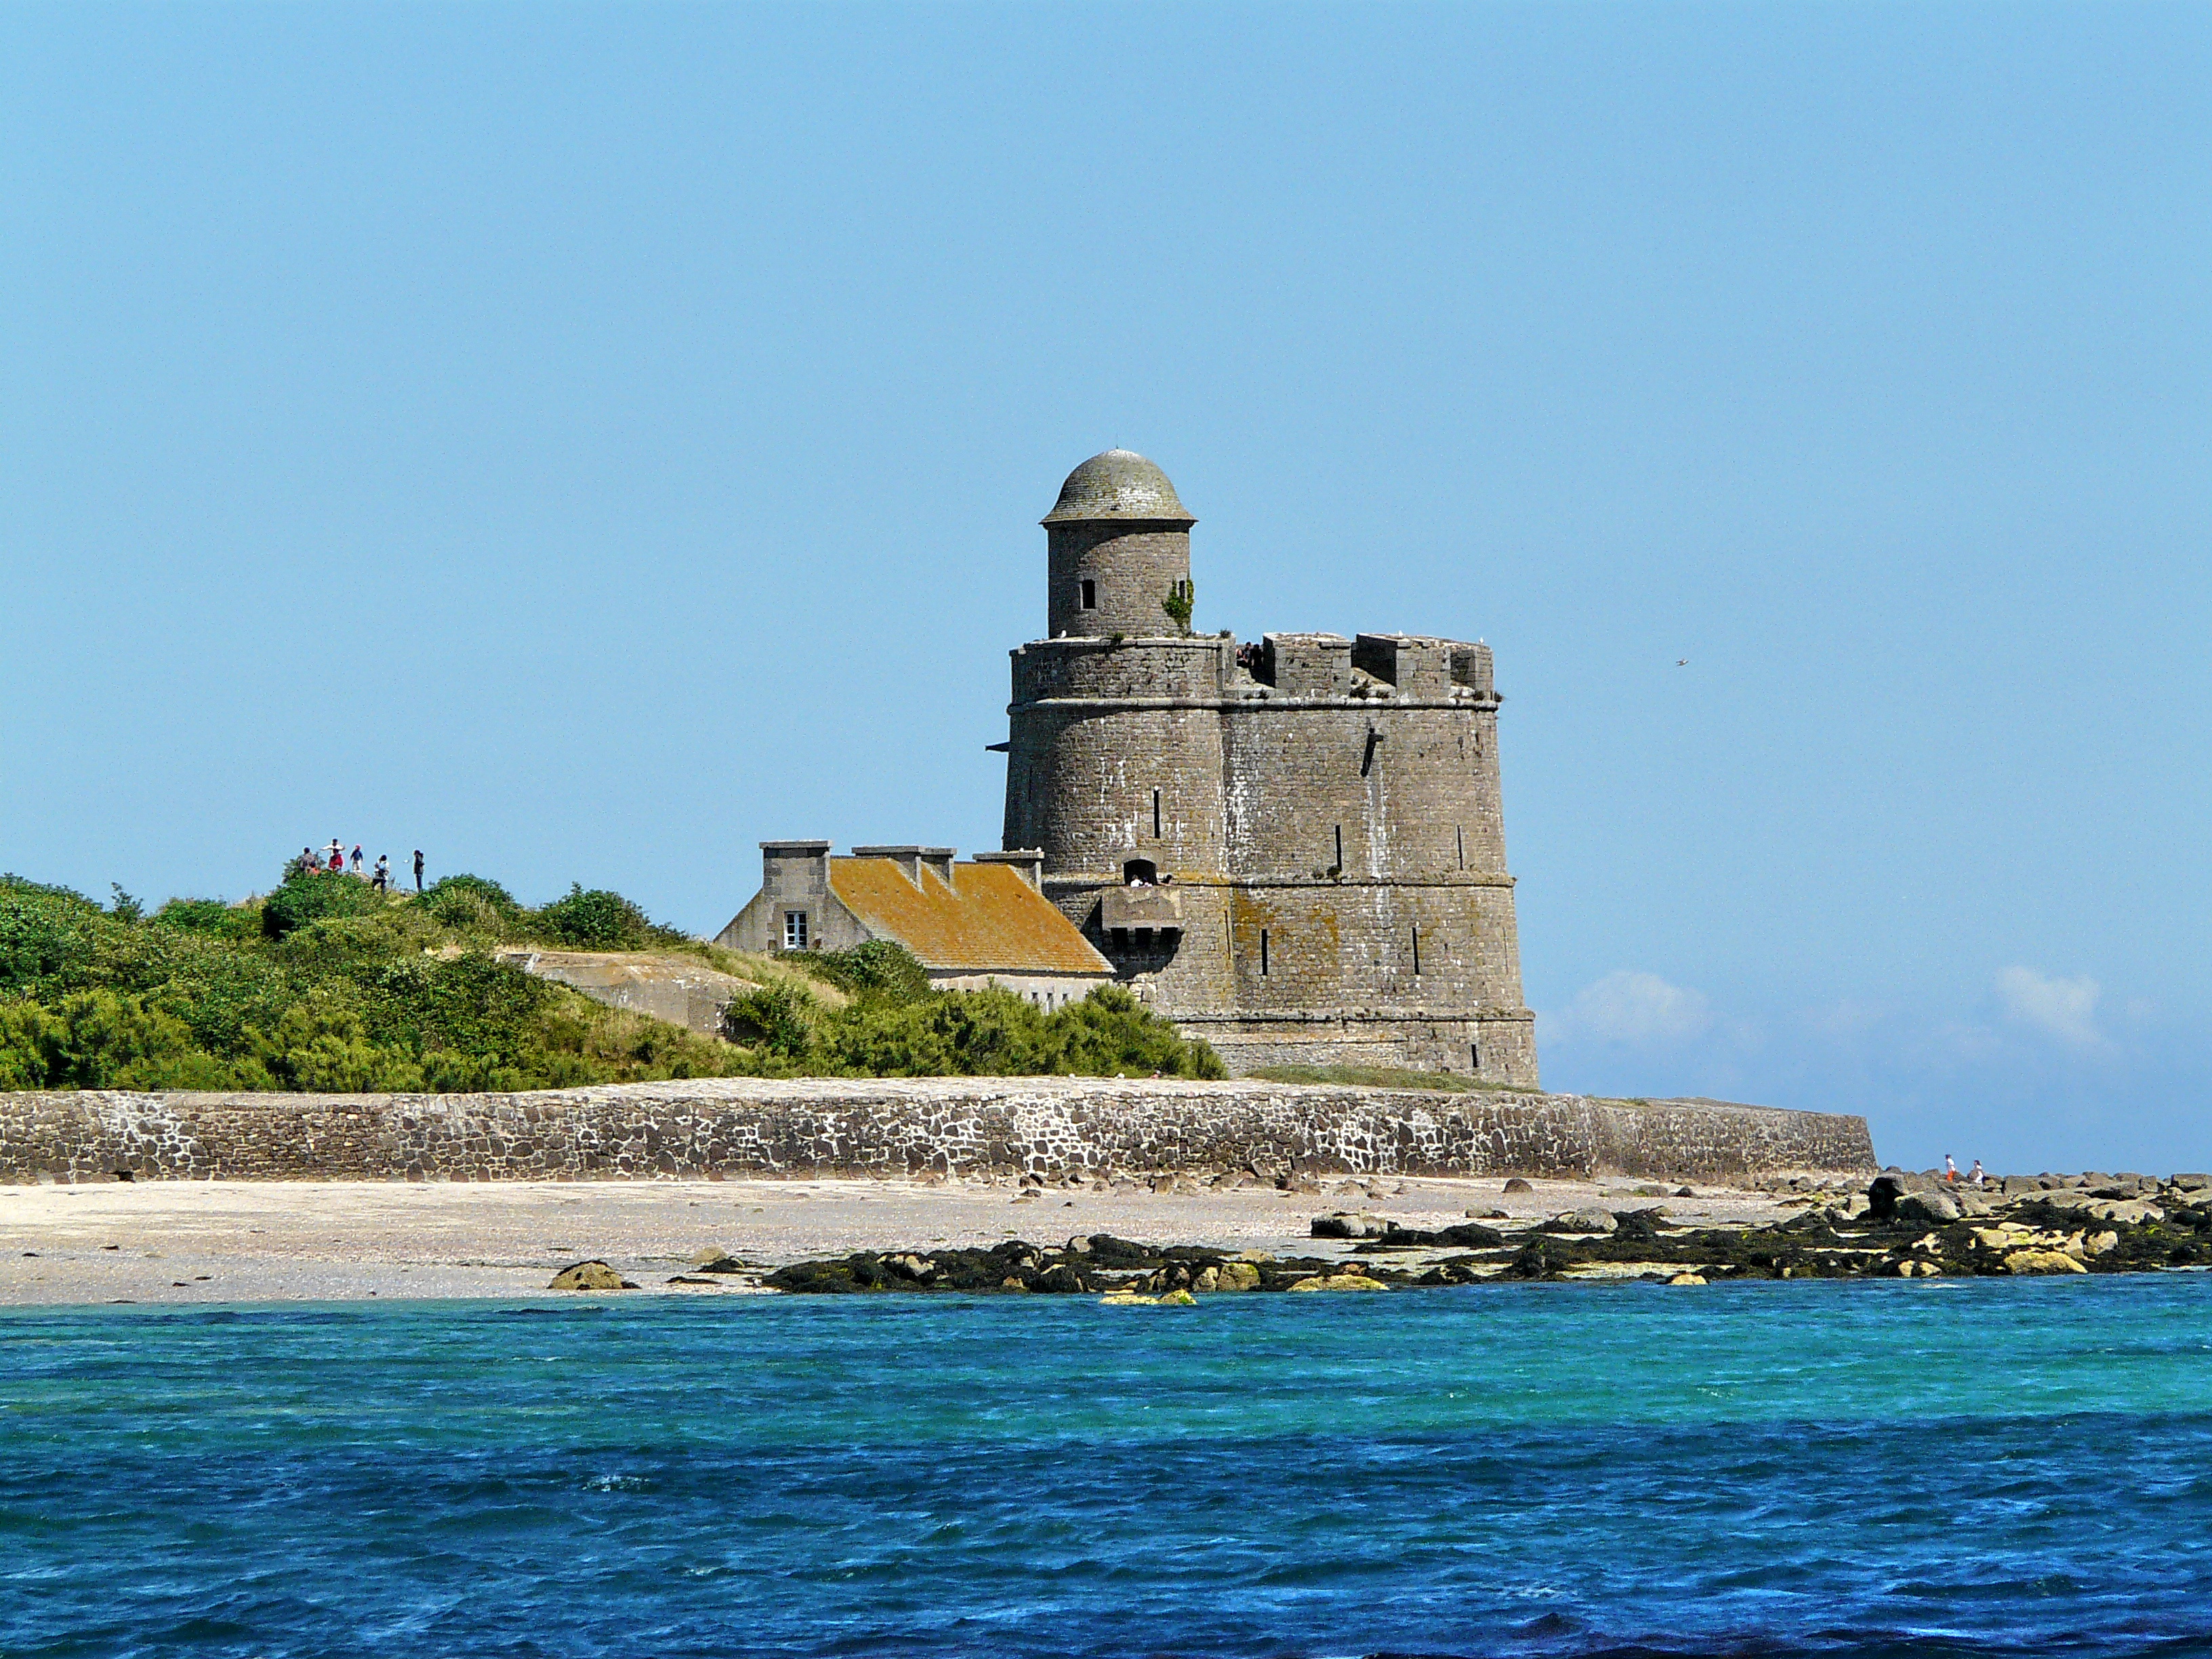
(1976, 1176)
(1950, 1170)
(418, 869)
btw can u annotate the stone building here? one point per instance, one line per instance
(983, 922)
(1293, 849)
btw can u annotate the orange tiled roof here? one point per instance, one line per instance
(988, 920)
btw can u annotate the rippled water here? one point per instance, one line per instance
(1758, 1469)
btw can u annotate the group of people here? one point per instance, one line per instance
(333, 859)
(1950, 1169)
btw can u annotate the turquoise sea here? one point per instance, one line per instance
(1990, 1468)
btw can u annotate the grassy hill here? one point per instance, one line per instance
(326, 985)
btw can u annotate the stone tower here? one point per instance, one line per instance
(1295, 850)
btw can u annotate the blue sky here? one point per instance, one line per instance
(582, 441)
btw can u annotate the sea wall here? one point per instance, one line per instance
(739, 1128)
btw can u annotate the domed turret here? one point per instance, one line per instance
(1118, 484)
(1119, 542)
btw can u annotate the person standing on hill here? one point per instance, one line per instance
(336, 856)
(1950, 1170)
(418, 869)
(382, 879)
(356, 858)
(308, 862)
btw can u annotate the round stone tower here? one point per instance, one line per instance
(1296, 850)
(1119, 546)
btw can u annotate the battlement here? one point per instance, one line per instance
(1305, 664)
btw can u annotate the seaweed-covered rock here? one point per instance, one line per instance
(1590, 1218)
(2043, 1261)
(1463, 1235)
(589, 1276)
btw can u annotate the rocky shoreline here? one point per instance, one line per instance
(1900, 1225)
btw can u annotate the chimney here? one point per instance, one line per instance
(913, 859)
(794, 869)
(1029, 863)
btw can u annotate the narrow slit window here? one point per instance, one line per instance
(1475, 1056)
(1263, 953)
(1459, 835)
(1156, 815)
(795, 930)
(1340, 847)
(1090, 595)
(1417, 950)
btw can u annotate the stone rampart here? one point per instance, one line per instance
(748, 1127)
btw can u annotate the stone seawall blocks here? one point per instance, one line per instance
(739, 1128)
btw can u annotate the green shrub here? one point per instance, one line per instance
(210, 916)
(305, 896)
(45, 932)
(593, 920)
(470, 904)
(91, 1040)
(876, 967)
(779, 1019)
(1110, 1031)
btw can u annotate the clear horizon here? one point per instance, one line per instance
(585, 443)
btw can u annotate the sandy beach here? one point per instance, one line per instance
(202, 1242)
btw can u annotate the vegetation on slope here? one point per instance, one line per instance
(327, 985)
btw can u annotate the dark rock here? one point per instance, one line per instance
(1882, 1194)
(1685, 1191)
(1517, 1185)
(1343, 1225)
(1465, 1235)
(2192, 1184)
(1930, 1209)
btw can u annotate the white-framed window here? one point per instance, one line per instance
(795, 930)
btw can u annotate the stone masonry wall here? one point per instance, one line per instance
(726, 1126)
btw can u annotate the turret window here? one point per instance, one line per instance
(1090, 592)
